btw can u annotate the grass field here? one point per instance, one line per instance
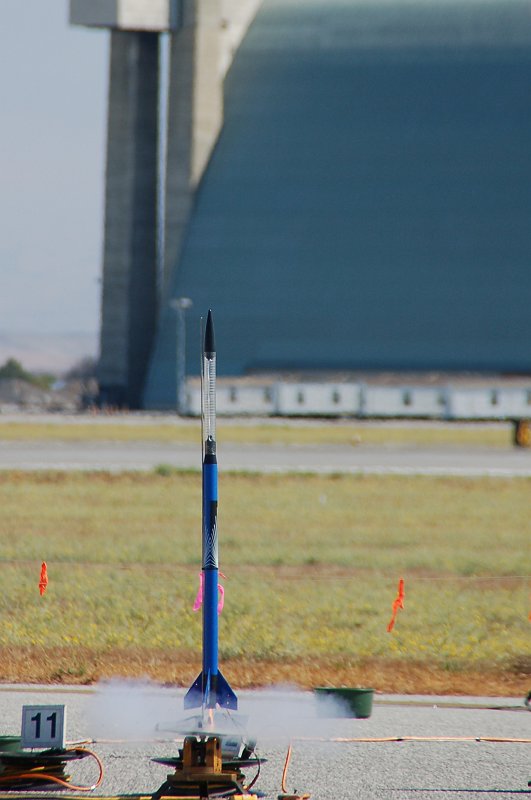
(312, 566)
(331, 432)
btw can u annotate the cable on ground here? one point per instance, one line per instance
(13, 775)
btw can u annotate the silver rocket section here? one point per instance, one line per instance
(209, 389)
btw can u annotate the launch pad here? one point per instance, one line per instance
(200, 770)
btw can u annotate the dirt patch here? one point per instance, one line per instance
(84, 666)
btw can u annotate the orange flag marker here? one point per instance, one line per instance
(397, 603)
(43, 583)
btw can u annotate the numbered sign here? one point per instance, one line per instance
(43, 726)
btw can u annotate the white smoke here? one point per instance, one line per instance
(129, 709)
(133, 710)
(281, 714)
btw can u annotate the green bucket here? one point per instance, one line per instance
(342, 701)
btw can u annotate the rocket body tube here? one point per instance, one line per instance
(210, 688)
(209, 392)
(210, 507)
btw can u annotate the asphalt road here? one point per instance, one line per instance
(455, 766)
(399, 459)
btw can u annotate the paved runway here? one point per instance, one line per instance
(324, 762)
(398, 459)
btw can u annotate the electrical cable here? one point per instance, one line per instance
(252, 783)
(376, 739)
(283, 781)
(251, 749)
(49, 777)
(285, 770)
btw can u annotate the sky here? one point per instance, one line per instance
(53, 93)
(53, 100)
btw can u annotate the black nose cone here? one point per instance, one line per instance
(210, 341)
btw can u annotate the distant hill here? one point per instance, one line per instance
(47, 352)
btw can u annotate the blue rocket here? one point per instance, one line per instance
(210, 689)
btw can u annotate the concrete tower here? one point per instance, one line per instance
(129, 297)
(203, 36)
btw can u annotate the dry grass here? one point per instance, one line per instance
(312, 563)
(85, 666)
(273, 432)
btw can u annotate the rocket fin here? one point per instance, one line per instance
(200, 693)
(224, 694)
(194, 696)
